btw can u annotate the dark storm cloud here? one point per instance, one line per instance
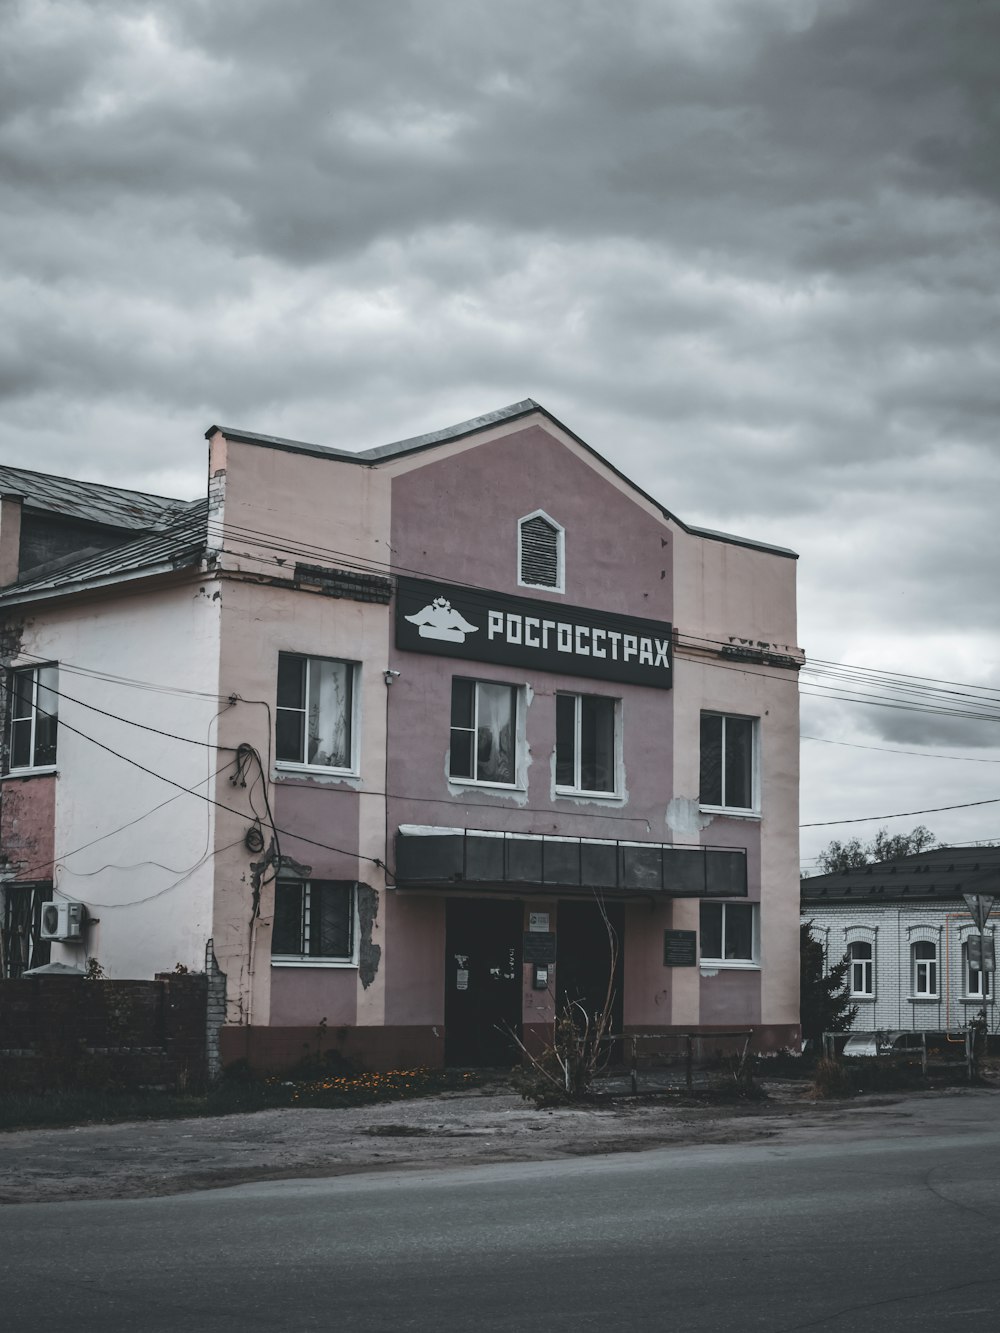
(747, 248)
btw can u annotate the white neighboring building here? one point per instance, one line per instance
(905, 927)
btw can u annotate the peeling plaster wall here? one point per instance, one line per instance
(334, 816)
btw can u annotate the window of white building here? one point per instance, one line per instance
(728, 762)
(483, 732)
(728, 934)
(586, 733)
(861, 972)
(315, 725)
(978, 985)
(541, 552)
(314, 922)
(924, 957)
(34, 710)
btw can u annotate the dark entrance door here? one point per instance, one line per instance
(583, 958)
(482, 997)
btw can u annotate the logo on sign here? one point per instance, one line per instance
(440, 621)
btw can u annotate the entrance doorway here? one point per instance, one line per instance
(583, 959)
(482, 996)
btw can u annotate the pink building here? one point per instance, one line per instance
(395, 736)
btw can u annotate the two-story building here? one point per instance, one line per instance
(411, 743)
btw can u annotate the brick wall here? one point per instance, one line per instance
(64, 1032)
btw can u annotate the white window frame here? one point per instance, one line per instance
(923, 970)
(560, 531)
(867, 969)
(753, 962)
(516, 693)
(754, 808)
(35, 672)
(616, 774)
(317, 960)
(969, 973)
(300, 766)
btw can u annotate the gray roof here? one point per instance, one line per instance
(943, 873)
(511, 412)
(88, 501)
(177, 546)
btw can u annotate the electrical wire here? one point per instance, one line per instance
(190, 791)
(142, 726)
(159, 893)
(64, 856)
(900, 814)
(883, 749)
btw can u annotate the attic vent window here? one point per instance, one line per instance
(540, 552)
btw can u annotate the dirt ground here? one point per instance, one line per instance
(452, 1129)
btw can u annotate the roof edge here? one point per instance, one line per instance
(448, 434)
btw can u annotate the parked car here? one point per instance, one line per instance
(869, 1044)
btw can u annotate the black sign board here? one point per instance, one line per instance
(680, 948)
(483, 626)
(539, 946)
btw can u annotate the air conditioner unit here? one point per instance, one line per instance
(63, 921)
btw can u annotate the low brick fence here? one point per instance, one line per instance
(71, 1032)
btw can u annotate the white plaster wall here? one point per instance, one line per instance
(895, 926)
(129, 845)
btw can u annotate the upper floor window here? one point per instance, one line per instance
(728, 762)
(728, 933)
(483, 731)
(541, 552)
(314, 921)
(34, 709)
(585, 743)
(924, 955)
(861, 957)
(315, 715)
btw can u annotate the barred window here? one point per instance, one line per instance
(313, 921)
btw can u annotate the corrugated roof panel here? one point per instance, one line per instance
(90, 502)
(181, 544)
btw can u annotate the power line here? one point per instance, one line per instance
(900, 814)
(883, 749)
(49, 689)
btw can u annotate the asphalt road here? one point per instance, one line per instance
(871, 1233)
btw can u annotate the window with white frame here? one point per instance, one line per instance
(586, 759)
(861, 970)
(924, 958)
(541, 552)
(483, 732)
(314, 921)
(728, 933)
(315, 713)
(34, 711)
(978, 984)
(728, 762)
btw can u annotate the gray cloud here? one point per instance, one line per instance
(746, 249)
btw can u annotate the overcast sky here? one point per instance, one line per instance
(748, 249)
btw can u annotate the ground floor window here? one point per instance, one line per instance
(314, 921)
(728, 933)
(925, 969)
(861, 956)
(978, 985)
(23, 947)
